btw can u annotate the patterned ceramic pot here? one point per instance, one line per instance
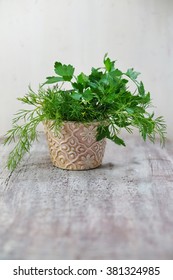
(75, 147)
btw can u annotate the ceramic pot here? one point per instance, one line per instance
(74, 146)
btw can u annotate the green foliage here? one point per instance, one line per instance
(65, 71)
(102, 96)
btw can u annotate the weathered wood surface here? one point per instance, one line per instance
(122, 210)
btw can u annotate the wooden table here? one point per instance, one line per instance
(122, 210)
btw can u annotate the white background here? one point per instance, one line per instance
(35, 33)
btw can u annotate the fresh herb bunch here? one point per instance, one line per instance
(102, 96)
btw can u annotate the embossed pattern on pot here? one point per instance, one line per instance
(74, 146)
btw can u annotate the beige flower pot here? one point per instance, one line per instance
(75, 147)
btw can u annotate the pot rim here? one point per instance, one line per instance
(76, 122)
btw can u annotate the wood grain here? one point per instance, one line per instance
(122, 210)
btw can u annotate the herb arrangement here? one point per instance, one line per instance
(103, 95)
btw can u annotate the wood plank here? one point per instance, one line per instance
(122, 210)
